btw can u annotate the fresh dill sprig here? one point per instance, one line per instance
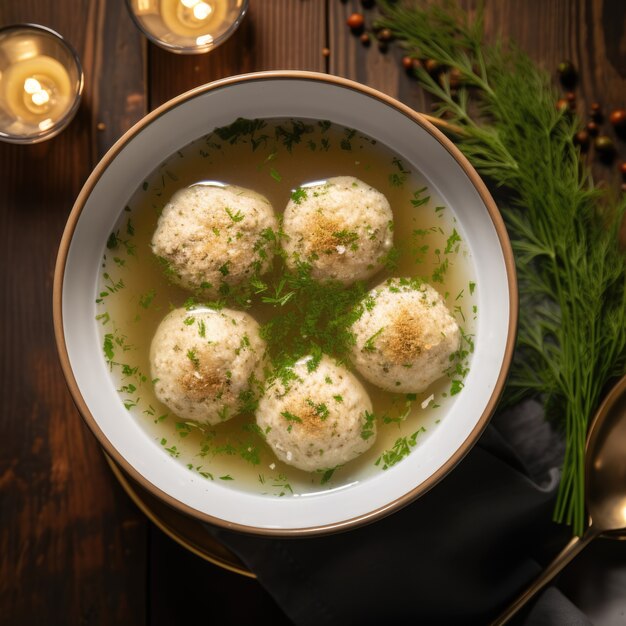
(572, 274)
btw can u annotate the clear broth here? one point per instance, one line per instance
(134, 295)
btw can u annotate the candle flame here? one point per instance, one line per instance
(40, 97)
(32, 85)
(202, 10)
(204, 39)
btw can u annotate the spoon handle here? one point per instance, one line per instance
(573, 548)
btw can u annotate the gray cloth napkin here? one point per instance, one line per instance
(457, 555)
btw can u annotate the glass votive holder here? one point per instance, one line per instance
(187, 26)
(41, 82)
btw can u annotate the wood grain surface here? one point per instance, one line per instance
(73, 548)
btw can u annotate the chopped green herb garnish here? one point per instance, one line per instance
(452, 243)
(299, 195)
(369, 424)
(400, 450)
(193, 357)
(236, 217)
(369, 343)
(419, 199)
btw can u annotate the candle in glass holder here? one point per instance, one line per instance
(188, 26)
(40, 83)
(193, 18)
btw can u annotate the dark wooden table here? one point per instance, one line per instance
(73, 547)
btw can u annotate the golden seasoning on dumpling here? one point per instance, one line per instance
(405, 336)
(342, 227)
(213, 237)
(318, 417)
(207, 363)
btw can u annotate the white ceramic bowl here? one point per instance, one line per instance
(271, 95)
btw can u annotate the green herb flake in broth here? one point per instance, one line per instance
(103, 317)
(452, 244)
(146, 299)
(456, 387)
(367, 428)
(400, 450)
(290, 136)
(327, 474)
(397, 180)
(299, 195)
(418, 199)
(108, 348)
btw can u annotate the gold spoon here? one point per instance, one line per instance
(605, 489)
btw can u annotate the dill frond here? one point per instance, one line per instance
(565, 233)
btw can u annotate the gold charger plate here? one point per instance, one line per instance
(186, 531)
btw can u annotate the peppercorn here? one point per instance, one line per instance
(605, 148)
(455, 77)
(592, 128)
(618, 118)
(432, 67)
(384, 35)
(365, 39)
(407, 63)
(356, 22)
(562, 104)
(567, 74)
(581, 139)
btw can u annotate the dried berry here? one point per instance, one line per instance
(605, 148)
(592, 129)
(618, 118)
(433, 67)
(365, 39)
(562, 104)
(581, 139)
(567, 74)
(455, 77)
(407, 63)
(356, 22)
(384, 35)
